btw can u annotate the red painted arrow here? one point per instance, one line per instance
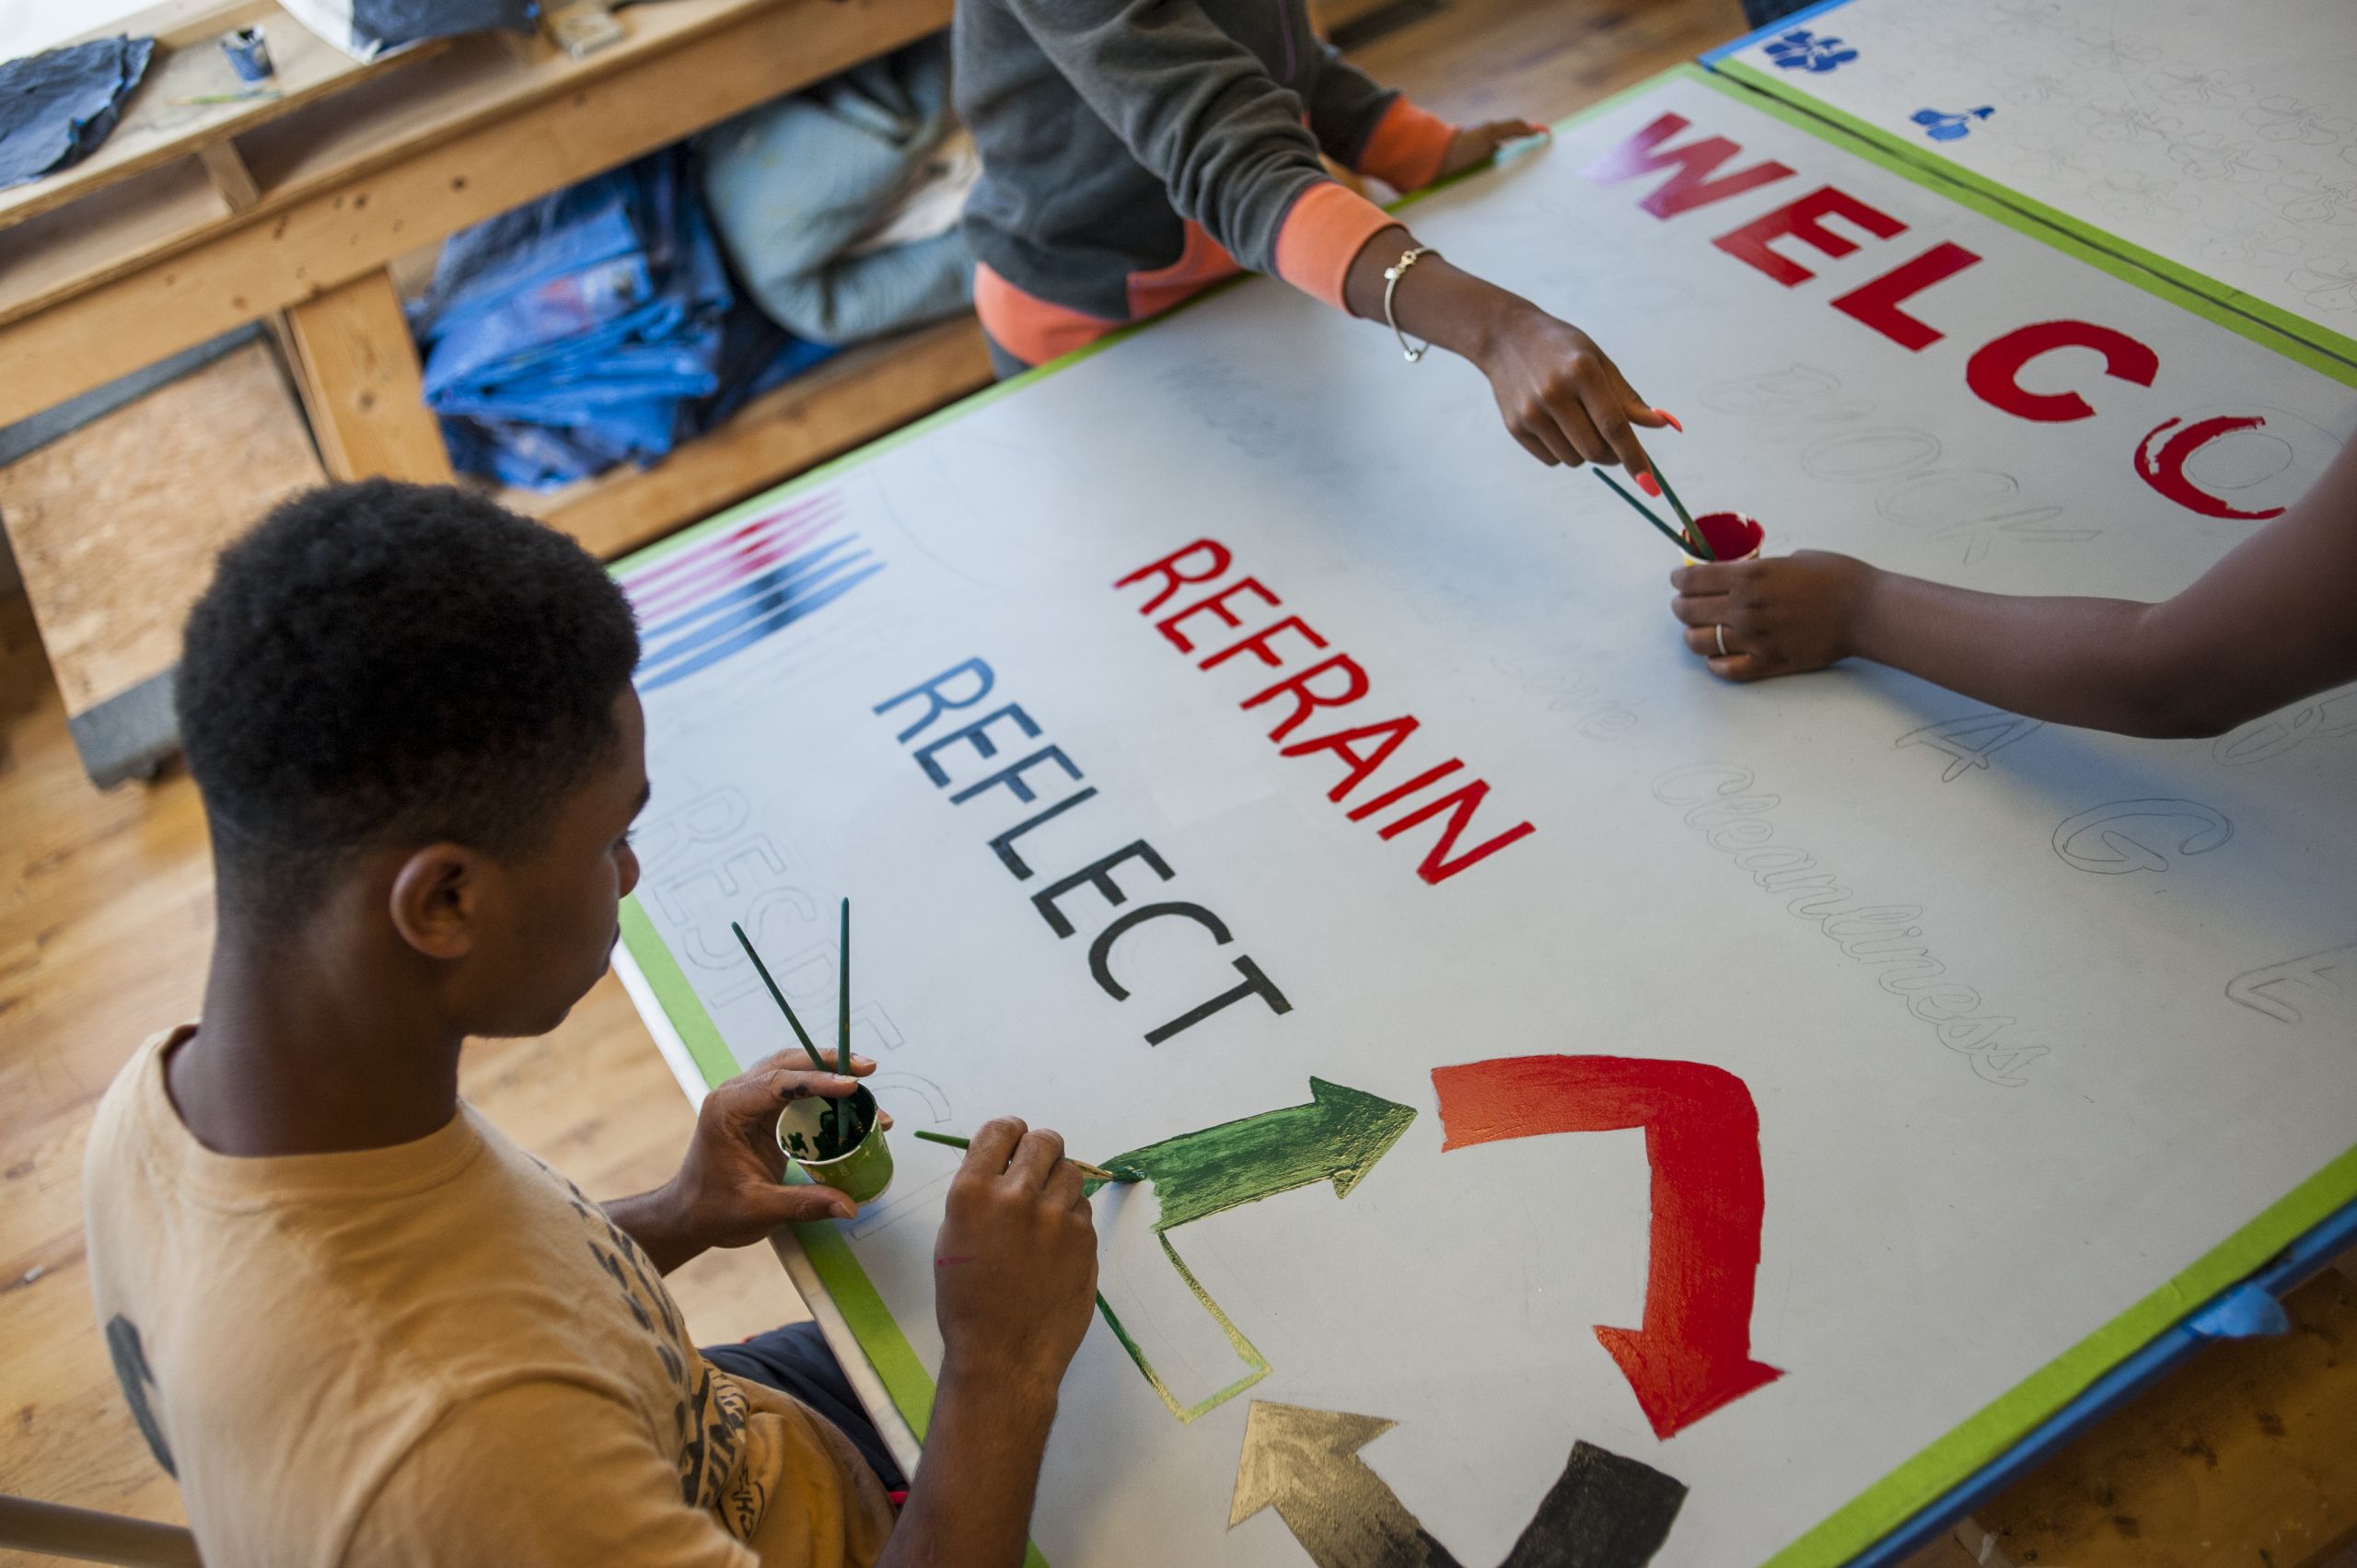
(1702, 1138)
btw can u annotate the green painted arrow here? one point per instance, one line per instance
(1337, 1137)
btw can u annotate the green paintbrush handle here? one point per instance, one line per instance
(1701, 545)
(779, 997)
(842, 1002)
(1094, 1173)
(1644, 511)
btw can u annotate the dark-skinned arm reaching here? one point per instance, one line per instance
(1561, 397)
(2267, 625)
(1204, 116)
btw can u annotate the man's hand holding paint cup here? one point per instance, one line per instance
(729, 1191)
(1751, 618)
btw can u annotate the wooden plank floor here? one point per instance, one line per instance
(106, 917)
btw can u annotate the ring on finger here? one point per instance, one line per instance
(1720, 627)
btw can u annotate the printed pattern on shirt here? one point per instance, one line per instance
(708, 1413)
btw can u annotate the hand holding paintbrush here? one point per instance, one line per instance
(1094, 1173)
(1714, 536)
(1686, 536)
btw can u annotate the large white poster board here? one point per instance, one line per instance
(1830, 1079)
(2216, 138)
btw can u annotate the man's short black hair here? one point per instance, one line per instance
(391, 664)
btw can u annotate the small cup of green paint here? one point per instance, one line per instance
(864, 1173)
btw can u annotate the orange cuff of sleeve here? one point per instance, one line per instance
(1408, 147)
(1322, 234)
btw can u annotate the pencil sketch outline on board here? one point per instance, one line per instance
(1337, 1137)
(1804, 406)
(1956, 738)
(2091, 841)
(2310, 972)
(2288, 730)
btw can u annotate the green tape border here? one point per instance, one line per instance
(1980, 1437)
(854, 1295)
(2228, 306)
(1997, 1426)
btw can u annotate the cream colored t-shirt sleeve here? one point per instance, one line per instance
(540, 1475)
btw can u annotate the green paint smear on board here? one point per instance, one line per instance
(1337, 1137)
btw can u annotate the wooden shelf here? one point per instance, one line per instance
(94, 289)
(857, 396)
(159, 124)
(294, 215)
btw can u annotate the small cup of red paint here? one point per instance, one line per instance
(1731, 536)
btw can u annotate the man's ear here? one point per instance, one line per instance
(436, 899)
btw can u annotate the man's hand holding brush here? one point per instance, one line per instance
(1015, 1281)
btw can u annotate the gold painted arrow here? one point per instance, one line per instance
(1604, 1511)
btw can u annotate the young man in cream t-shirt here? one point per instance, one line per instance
(359, 1324)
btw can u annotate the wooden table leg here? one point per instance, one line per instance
(360, 381)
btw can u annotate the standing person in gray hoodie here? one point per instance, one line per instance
(1135, 151)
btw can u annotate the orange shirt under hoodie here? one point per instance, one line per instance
(1135, 151)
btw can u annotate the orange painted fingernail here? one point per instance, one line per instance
(1672, 420)
(1650, 485)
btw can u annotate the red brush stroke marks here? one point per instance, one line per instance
(1689, 184)
(2166, 470)
(1693, 1355)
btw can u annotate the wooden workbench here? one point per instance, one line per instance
(194, 220)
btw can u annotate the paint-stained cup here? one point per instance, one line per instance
(862, 1175)
(1731, 536)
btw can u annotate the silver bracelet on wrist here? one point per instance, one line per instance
(1391, 276)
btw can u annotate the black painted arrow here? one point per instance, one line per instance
(1604, 1511)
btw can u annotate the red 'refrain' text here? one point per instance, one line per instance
(1320, 690)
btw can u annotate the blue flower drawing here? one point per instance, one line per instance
(1943, 127)
(1800, 49)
